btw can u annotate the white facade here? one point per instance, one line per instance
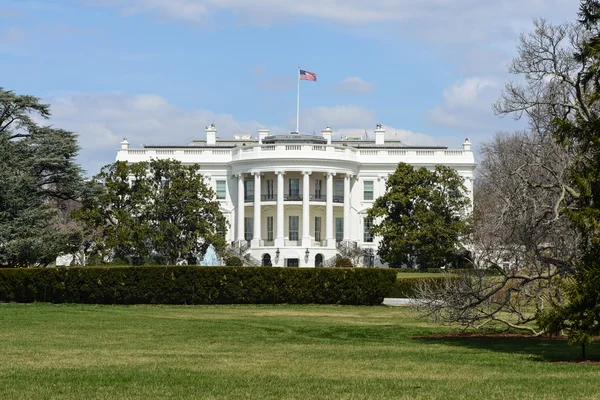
(297, 200)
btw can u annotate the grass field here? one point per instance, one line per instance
(270, 352)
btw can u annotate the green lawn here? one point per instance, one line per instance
(269, 352)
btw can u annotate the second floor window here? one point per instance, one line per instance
(221, 190)
(248, 190)
(294, 189)
(270, 190)
(318, 188)
(338, 190)
(368, 190)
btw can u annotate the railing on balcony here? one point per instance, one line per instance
(318, 197)
(249, 198)
(292, 197)
(269, 197)
(338, 199)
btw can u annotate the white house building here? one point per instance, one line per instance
(298, 200)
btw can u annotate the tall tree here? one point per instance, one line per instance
(422, 217)
(159, 208)
(37, 174)
(579, 130)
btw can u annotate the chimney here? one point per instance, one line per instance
(467, 145)
(211, 135)
(124, 144)
(262, 133)
(327, 132)
(379, 134)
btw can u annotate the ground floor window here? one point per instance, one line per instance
(294, 221)
(339, 229)
(270, 229)
(266, 260)
(318, 229)
(319, 260)
(293, 262)
(368, 224)
(248, 228)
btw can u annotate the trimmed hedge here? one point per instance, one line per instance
(196, 285)
(407, 287)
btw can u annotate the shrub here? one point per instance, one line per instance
(343, 262)
(196, 285)
(234, 262)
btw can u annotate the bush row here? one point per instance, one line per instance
(196, 285)
(407, 287)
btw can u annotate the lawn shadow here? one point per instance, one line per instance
(537, 348)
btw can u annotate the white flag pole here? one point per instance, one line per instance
(298, 105)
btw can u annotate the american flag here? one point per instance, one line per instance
(307, 76)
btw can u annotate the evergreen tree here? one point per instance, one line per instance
(37, 174)
(160, 209)
(580, 316)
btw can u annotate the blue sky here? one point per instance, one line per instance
(159, 71)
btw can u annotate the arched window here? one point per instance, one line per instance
(266, 260)
(319, 260)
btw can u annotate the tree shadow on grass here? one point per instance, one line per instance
(537, 348)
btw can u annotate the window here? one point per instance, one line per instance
(249, 190)
(368, 190)
(339, 229)
(294, 189)
(248, 228)
(318, 229)
(221, 189)
(270, 190)
(338, 191)
(293, 228)
(318, 189)
(270, 229)
(368, 224)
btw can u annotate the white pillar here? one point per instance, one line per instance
(257, 209)
(240, 207)
(279, 239)
(329, 212)
(347, 180)
(306, 239)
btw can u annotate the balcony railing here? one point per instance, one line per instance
(269, 197)
(293, 197)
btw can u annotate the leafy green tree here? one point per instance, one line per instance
(422, 217)
(115, 205)
(38, 174)
(183, 214)
(160, 208)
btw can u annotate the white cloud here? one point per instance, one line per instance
(347, 11)
(467, 105)
(354, 84)
(102, 120)
(356, 120)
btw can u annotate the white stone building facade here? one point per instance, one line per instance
(299, 200)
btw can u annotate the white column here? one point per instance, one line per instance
(257, 209)
(279, 239)
(306, 239)
(240, 207)
(329, 212)
(347, 180)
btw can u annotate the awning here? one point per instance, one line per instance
(289, 253)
